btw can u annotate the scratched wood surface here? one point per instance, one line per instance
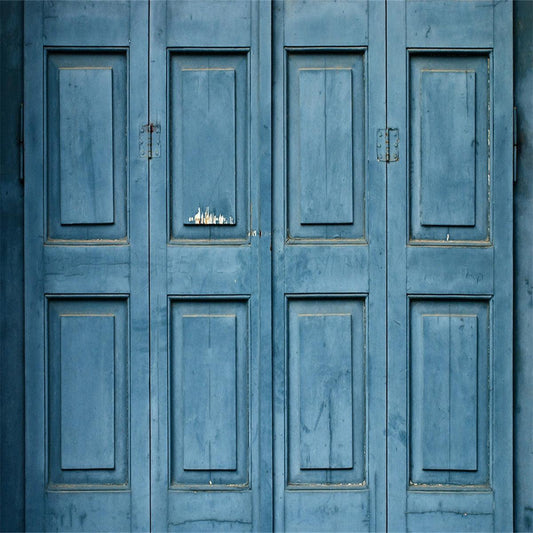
(329, 272)
(449, 259)
(210, 266)
(161, 270)
(86, 277)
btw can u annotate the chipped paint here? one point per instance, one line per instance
(206, 218)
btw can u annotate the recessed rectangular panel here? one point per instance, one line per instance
(87, 392)
(209, 397)
(325, 115)
(209, 392)
(450, 393)
(86, 145)
(326, 173)
(209, 144)
(86, 128)
(326, 391)
(448, 148)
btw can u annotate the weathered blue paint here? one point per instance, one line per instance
(448, 392)
(11, 271)
(87, 354)
(86, 273)
(90, 202)
(449, 507)
(86, 192)
(209, 403)
(208, 114)
(326, 393)
(523, 268)
(449, 125)
(326, 159)
(425, 491)
(209, 288)
(329, 284)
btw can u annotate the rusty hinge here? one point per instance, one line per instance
(515, 145)
(150, 141)
(388, 145)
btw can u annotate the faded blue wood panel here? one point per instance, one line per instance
(523, 269)
(326, 174)
(327, 392)
(330, 267)
(86, 115)
(11, 271)
(87, 392)
(450, 393)
(449, 410)
(335, 269)
(450, 142)
(325, 145)
(203, 511)
(467, 270)
(448, 148)
(326, 410)
(209, 143)
(316, 511)
(209, 147)
(452, 521)
(211, 269)
(86, 24)
(434, 24)
(338, 23)
(96, 278)
(86, 145)
(209, 393)
(209, 397)
(212, 23)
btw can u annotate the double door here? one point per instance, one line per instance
(268, 265)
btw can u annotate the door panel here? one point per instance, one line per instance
(87, 446)
(210, 269)
(329, 273)
(449, 267)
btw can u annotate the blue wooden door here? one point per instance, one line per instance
(86, 227)
(449, 265)
(210, 266)
(268, 265)
(329, 262)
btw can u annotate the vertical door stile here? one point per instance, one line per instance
(158, 271)
(264, 501)
(396, 274)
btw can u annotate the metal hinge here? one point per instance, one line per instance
(150, 141)
(388, 145)
(515, 145)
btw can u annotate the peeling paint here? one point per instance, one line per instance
(207, 218)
